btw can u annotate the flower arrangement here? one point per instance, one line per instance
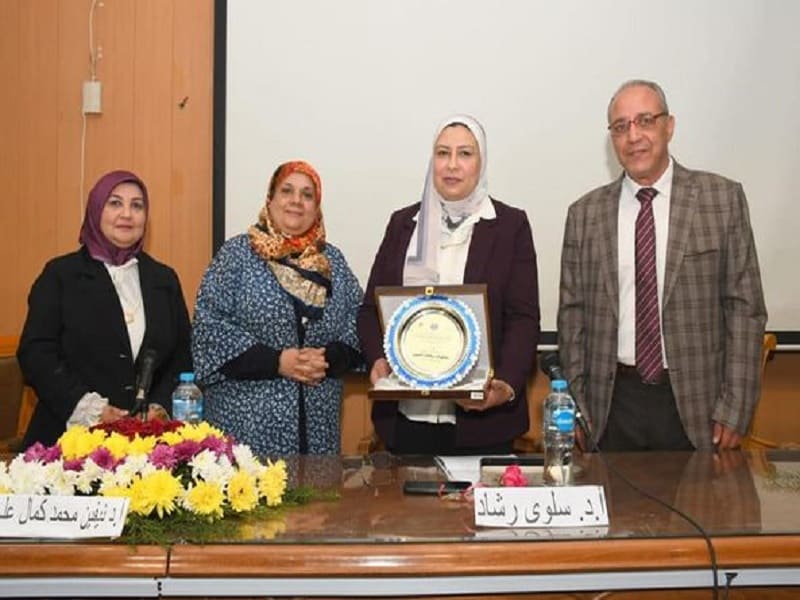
(189, 475)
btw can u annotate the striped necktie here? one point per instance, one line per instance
(649, 362)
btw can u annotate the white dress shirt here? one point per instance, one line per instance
(626, 238)
(129, 291)
(451, 262)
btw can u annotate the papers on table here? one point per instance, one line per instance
(462, 468)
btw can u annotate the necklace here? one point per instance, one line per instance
(130, 297)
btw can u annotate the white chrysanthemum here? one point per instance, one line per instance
(92, 469)
(246, 460)
(84, 482)
(109, 480)
(205, 467)
(27, 477)
(148, 468)
(202, 464)
(59, 481)
(225, 462)
(62, 483)
(132, 466)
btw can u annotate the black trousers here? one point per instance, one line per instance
(415, 437)
(643, 416)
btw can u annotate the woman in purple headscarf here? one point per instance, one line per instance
(94, 314)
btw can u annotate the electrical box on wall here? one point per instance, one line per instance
(92, 97)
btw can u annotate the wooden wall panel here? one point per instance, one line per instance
(110, 135)
(72, 68)
(37, 143)
(152, 137)
(191, 104)
(151, 51)
(12, 296)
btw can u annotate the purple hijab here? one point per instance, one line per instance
(98, 244)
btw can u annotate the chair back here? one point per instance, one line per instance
(17, 400)
(753, 440)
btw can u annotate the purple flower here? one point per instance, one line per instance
(103, 458)
(74, 464)
(163, 456)
(217, 445)
(186, 450)
(38, 452)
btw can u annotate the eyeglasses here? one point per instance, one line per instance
(644, 121)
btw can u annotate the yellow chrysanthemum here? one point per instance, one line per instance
(140, 503)
(157, 492)
(199, 431)
(117, 444)
(116, 491)
(171, 438)
(78, 441)
(242, 492)
(207, 429)
(192, 433)
(205, 499)
(272, 483)
(139, 445)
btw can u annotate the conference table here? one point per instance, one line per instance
(371, 540)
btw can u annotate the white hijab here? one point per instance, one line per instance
(421, 262)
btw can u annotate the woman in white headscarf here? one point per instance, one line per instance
(456, 235)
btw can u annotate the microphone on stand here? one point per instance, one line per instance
(551, 366)
(143, 382)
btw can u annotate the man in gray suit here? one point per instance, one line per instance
(688, 375)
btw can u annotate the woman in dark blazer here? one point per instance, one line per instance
(94, 313)
(459, 235)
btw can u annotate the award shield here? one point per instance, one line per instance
(436, 341)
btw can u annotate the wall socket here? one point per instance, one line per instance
(92, 97)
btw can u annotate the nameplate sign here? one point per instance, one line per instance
(67, 517)
(568, 506)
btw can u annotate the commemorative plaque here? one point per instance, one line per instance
(436, 341)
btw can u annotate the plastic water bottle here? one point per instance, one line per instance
(187, 400)
(559, 434)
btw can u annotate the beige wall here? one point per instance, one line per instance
(155, 53)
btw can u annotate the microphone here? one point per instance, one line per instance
(143, 382)
(551, 366)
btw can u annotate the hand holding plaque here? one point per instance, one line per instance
(435, 342)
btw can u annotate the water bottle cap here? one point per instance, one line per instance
(558, 385)
(187, 377)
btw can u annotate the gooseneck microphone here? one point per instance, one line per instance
(143, 382)
(551, 366)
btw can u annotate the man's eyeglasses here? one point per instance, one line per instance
(644, 121)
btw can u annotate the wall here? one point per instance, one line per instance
(365, 99)
(155, 53)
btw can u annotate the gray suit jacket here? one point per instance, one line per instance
(713, 308)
